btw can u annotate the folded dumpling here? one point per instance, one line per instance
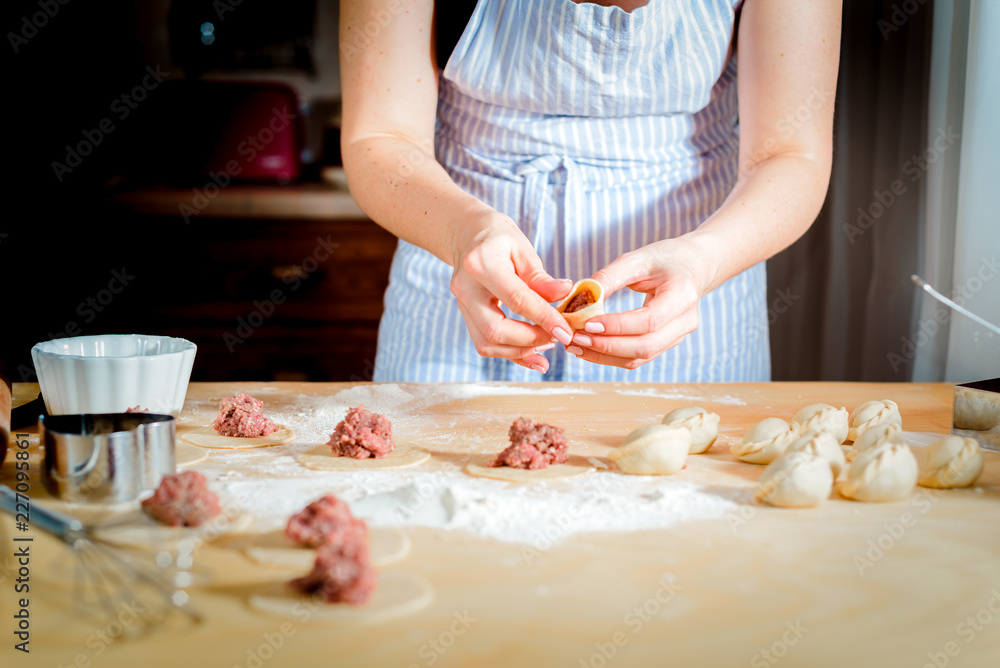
(704, 426)
(871, 413)
(953, 461)
(765, 441)
(824, 417)
(875, 435)
(655, 449)
(886, 472)
(795, 480)
(822, 444)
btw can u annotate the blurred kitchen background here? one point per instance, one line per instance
(174, 168)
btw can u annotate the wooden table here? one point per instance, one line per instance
(846, 584)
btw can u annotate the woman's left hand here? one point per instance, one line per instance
(673, 274)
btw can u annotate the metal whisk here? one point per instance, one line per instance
(113, 579)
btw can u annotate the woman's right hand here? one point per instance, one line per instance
(495, 263)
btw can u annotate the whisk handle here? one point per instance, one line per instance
(49, 521)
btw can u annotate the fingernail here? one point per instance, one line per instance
(574, 350)
(594, 327)
(538, 367)
(562, 335)
(543, 348)
(583, 340)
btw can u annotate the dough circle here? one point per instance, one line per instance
(402, 456)
(143, 532)
(206, 437)
(386, 545)
(396, 595)
(574, 466)
(186, 454)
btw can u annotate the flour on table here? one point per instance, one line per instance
(273, 486)
(602, 501)
(683, 396)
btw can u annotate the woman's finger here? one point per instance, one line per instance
(646, 346)
(657, 313)
(521, 299)
(606, 360)
(481, 311)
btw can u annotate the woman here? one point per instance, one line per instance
(568, 140)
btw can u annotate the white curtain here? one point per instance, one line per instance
(961, 240)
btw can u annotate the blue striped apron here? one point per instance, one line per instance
(598, 131)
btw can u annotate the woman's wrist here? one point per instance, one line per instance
(470, 225)
(700, 252)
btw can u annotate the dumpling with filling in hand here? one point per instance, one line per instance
(953, 461)
(765, 441)
(584, 301)
(886, 472)
(824, 417)
(704, 426)
(795, 480)
(871, 413)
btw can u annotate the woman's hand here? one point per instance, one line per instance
(495, 263)
(674, 274)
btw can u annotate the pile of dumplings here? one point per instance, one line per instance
(805, 459)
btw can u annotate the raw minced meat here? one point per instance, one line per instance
(325, 521)
(533, 446)
(241, 416)
(362, 435)
(182, 500)
(581, 301)
(341, 574)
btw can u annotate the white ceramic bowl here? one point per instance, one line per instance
(111, 372)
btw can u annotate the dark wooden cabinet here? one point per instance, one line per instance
(271, 283)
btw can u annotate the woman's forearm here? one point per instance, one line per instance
(768, 209)
(401, 187)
